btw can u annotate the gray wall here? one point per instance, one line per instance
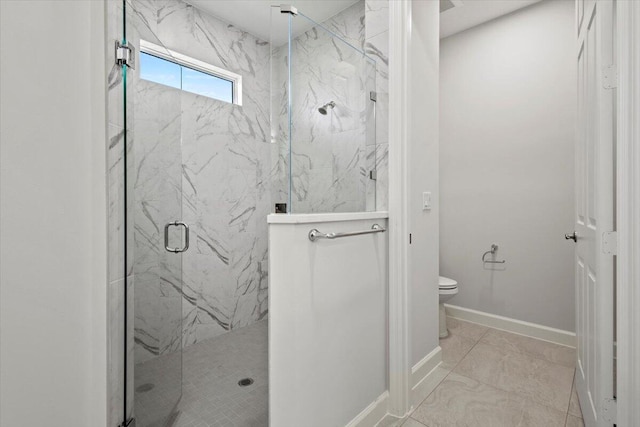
(52, 215)
(423, 176)
(508, 110)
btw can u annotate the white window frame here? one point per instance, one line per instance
(195, 64)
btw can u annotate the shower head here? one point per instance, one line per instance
(326, 107)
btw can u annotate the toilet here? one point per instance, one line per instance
(447, 288)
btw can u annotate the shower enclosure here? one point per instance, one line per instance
(212, 127)
(323, 89)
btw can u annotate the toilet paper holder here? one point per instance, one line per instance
(492, 251)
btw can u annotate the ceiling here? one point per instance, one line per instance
(469, 13)
(254, 16)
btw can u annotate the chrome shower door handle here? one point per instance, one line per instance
(572, 236)
(186, 236)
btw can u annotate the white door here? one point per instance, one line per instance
(595, 210)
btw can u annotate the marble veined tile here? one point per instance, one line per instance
(555, 353)
(454, 348)
(329, 163)
(410, 422)
(462, 401)
(382, 183)
(391, 421)
(349, 25)
(376, 17)
(574, 421)
(378, 48)
(466, 329)
(115, 350)
(116, 202)
(541, 381)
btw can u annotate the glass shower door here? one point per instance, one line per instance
(154, 182)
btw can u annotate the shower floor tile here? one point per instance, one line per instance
(211, 396)
(212, 368)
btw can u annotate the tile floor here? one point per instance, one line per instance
(211, 396)
(488, 378)
(494, 378)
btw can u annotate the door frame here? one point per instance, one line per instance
(628, 212)
(627, 29)
(399, 363)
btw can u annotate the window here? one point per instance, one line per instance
(173, 69)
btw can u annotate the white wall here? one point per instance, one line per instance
(423, 164)
(327, 320)
(53, 214)
(508, 108)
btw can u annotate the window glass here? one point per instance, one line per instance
(169, 73)
(207, 85)
(160, 71)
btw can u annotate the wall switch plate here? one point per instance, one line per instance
(426, 201)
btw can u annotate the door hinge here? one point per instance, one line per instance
(373, 175)
(610, 77)
(288, 8)
(610, 242)
(610, 410)
(125, 55)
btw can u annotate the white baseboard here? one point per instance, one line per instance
(372, 414)
(557, 336)
(422, 369)
(426, 375)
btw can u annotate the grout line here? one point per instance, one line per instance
(499, 388)
(413, 419)
(448, 373)
(468, 351)
(526, 353)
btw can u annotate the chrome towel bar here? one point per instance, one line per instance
(316, 234)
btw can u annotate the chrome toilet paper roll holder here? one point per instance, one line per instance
(492, 251)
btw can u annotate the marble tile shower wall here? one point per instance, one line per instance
(331, 154)
(206, 162)
(377, 46)
(331, 160)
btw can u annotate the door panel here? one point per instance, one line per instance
(594, 211)
(155, 177)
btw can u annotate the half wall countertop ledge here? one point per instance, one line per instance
(324, 217)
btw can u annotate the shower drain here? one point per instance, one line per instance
(245, 382)
(145, 388)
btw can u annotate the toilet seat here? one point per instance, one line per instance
(445, 283)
